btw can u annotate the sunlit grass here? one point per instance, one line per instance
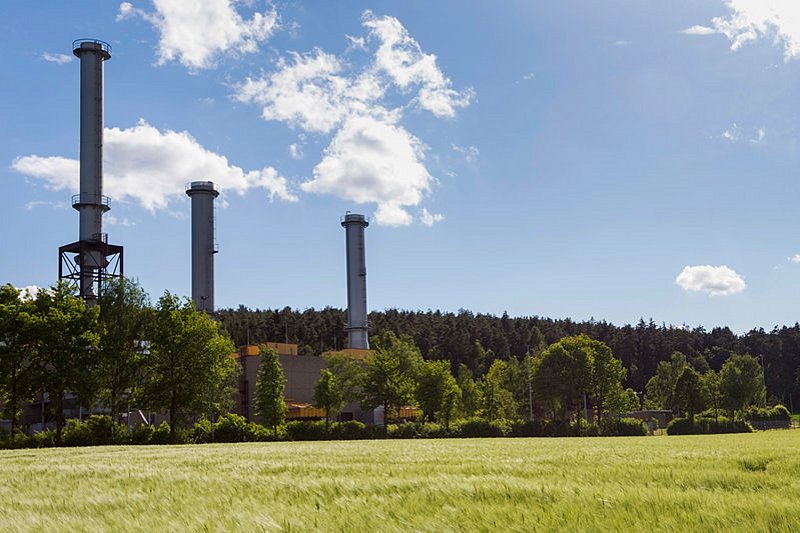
(744, 482)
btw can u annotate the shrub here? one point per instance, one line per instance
(478, 427)
(76, 434)
(141, 434)
(161, 434)
(43, 439)
(623, 427)
(703, 426)
(416, 430)
(354, 430)
(777, 413)
(307, 430)
(233, 428)
(201, 431)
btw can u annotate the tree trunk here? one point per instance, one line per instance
(58, 403)
(13, 400)
(173, 413)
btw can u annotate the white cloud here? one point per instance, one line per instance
(114, 221)
(471, 153)
(795, 258)
(750, 20)
(296, 151)
(759, 136)
(151, 167)
(371, 157)
(61, 59)
(716, 281)
(699, 30)
(43, 203)
(29, 292)
(195, 32)
(732, 134)
(621, 43)
(309, 92)
(400, 57)
(429, 219)
(372, 160)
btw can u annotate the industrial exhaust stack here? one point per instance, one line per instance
(357, 324)
(203, 194)
(91, 261)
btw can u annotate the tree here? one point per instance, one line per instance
(17, 350)
(328, 394)
(741, 383)
(498, 402)
(349, 373)
(124, 315)
(689, 395)
(390, 374)
(469, 399)
(711, 386)
(189, 370)
(270, 384)
(562, 375)
(66, 358)
(658, 392)
(607, 374)
(436, 391)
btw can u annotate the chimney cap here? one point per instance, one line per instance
(91, 45)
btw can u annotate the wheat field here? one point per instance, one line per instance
(715, 482)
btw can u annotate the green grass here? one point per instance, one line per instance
(732, 482)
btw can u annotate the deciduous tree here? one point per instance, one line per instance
(189, 369)
(270, 386)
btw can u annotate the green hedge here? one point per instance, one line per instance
(704, 426)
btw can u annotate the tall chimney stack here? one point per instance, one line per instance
(203, 194)
(357, 324)
(92, 253)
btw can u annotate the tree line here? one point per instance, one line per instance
(120, 354)
(477, 340)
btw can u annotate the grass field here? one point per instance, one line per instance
(740, 482)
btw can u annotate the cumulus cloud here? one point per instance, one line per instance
(151, 167)
(61, 59)
(429, 219)
(401, 58)
(716, 281)
(795, 258)
(29, 292)
(760, 134)
(308, 91)
(195, 32)
(750, 20)
(371, 160)
(372, 157)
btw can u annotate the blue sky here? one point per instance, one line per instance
(614, 159)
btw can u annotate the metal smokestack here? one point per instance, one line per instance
(92, 252)
(357, 324)
(203, 194)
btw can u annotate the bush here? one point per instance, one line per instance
(777, 413)
(705, 426)
(161, 434)
(233, 428)
(478, 427)
(416, 430)
(76, 434)
(623, 427)
(355, 430)
(307, 430)
(141, 434)
(201, 432)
